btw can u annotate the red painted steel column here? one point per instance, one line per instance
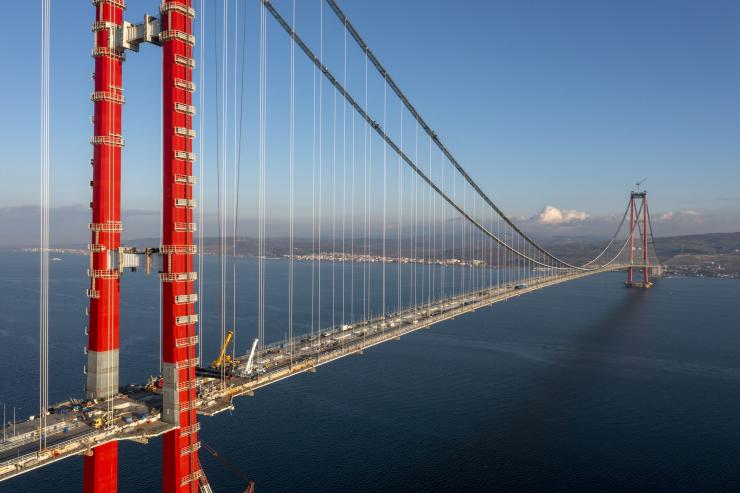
(180, 465)
(101, 468)
(645, 279)
(632, 238)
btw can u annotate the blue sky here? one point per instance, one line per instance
(562, 104)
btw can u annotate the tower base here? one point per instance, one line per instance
(639, 284)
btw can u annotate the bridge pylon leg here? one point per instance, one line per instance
(101, 467)
(181, 470)
(632, 240)
(645, 276)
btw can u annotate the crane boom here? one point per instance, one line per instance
(250, 360)
(222, 357)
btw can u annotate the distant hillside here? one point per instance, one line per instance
(714, 254)
(707, 255)
(706, 244)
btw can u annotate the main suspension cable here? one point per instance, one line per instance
(379, 130)
(435, 138)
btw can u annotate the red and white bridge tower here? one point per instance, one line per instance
(172, 30)
(639, 227)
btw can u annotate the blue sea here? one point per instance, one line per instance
(586, 386)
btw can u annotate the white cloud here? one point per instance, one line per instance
(687, 216)
(553, 215)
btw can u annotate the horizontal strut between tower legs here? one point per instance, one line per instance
(130, 36)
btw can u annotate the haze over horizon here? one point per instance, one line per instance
(69, 225)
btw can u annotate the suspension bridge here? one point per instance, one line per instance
(407, 238)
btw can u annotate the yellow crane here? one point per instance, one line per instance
(223, 358)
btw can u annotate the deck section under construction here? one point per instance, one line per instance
(76, 427)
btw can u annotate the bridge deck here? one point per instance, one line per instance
(135, 413)
(311, 351)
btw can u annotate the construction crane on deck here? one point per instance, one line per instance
(223, 358)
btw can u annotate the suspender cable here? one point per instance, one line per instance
(352, 229)
(237, 171)
(432, 234)
(313, 205)
(490, 254)
(321, 170)
(454, 232)
(430, 273)
(398, 227)
(238, 123)
(366, 213)
(201, 177)
(412, 228)
(344, 175)
(498, 254)
(418, 269)
(333, 207)
(443, 257)
(463, 253)
(385, 186)
(237, 186)
(291, 164)
(161, 220)
(369, 221)
(262, 179)
(44, 222)
(220, 176)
